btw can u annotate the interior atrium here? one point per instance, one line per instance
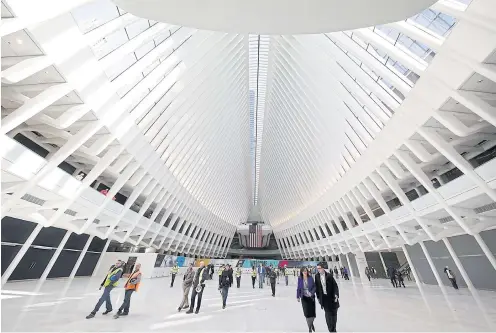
(358, 136)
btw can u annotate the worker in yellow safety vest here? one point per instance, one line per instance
(132, 284)
(253, 276)
(110, 282)
(238, 277)
(287, 272)
(174, 271)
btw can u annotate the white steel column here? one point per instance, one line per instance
(416, 277)
(55, 256)
(433, 267)
(349, 267)
(25, 247)
(486, 250)
(473, 290)
(97, 266)
(228, 246)
(383, 264)
(81, 256)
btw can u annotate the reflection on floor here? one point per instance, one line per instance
(61, 305)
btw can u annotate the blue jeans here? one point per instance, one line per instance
(286, 278)
(127, 301)
(225, 292)
(261, 281)
(104, 298)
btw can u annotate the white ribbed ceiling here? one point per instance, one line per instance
(203, 124)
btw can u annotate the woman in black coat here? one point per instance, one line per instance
(305, 293)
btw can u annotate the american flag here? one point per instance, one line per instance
(255, 235)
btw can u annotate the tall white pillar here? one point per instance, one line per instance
(100, 259)
(349, 268)
(81, 256)
(55, 256)
(361, 264)
(8, 272)
(383, 263)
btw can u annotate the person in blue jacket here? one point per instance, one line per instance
(109, 283)
(305, 293)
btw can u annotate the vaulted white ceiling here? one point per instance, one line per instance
(201, 125)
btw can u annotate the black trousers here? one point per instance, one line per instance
(331, 317)
(238, 281)
(253, 278)
(194, 293)
(453, 282)
(173, 278)
(273, 287)
(393, 282)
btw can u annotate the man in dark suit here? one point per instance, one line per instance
(272, 279)
(200, 277)
(328, 296)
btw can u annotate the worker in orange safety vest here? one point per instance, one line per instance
(132, 285)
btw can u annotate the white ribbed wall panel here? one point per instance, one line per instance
(443, 120)
(155, 131)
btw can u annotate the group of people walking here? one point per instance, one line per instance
(396, 277)
(197, 281)
(110, 282)
(323, 288)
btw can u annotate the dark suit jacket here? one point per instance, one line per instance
(329, 301)
(225, 279)
(199, 278)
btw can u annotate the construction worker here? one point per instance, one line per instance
(238, 277)
(174, 271)
(132, 285)
(253, 276)
(287, 272)
(110, 282)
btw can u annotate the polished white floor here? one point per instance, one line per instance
(61, 305)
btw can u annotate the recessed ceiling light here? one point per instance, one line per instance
(19, 41)
(479, 81)
(46, 72)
